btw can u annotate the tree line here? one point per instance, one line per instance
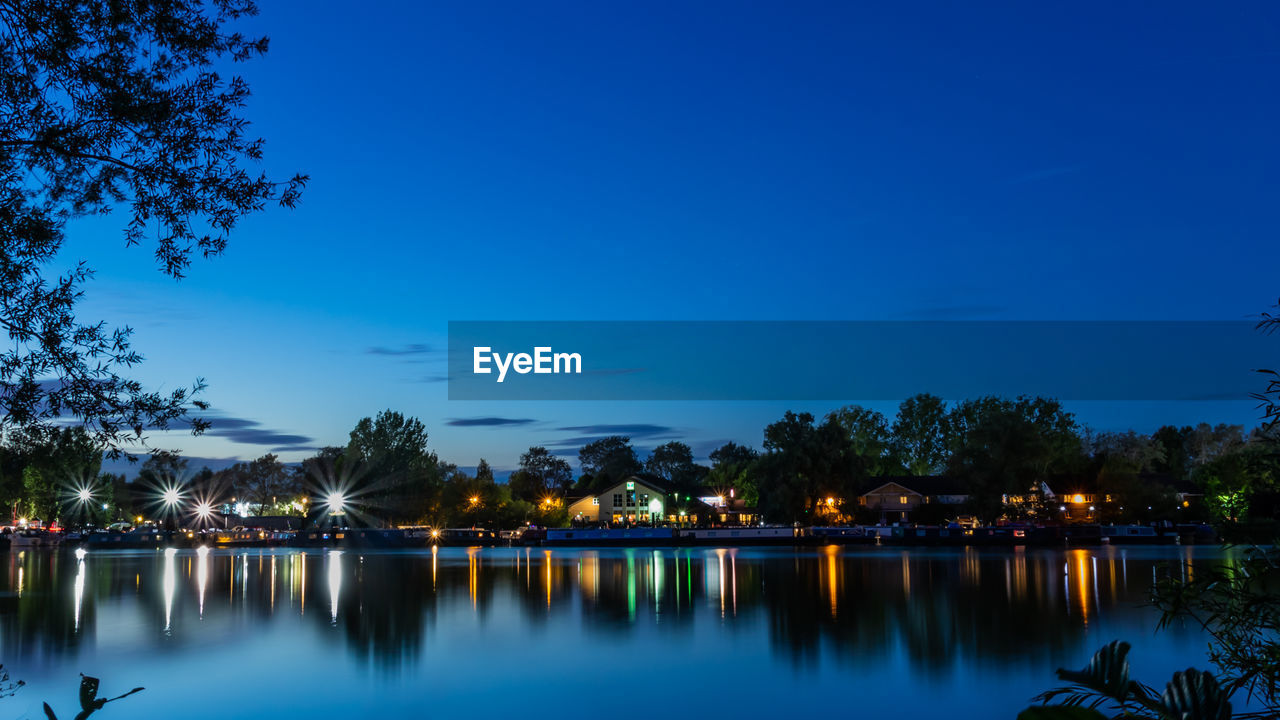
(806, 469)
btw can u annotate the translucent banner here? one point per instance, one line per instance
(848, 361)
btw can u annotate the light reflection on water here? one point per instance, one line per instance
(526, 627)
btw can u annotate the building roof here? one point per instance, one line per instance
(924, 484)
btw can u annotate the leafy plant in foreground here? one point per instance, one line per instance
(1104, 684)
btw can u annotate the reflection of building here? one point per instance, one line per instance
(901, 495)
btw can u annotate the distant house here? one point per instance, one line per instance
(637, 499)
(1078, 496)
(1082, 497)
(646, 499)
(898, 496)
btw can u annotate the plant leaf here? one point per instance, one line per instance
(1060, 712)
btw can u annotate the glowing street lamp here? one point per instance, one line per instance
(336, 501)
(85, 495)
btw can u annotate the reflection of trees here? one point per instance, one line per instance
(32, 619)
(859, 605)
(385, 603)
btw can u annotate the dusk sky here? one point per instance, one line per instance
(705, 161)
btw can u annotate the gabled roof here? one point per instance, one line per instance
(924, 484)
(652, 481)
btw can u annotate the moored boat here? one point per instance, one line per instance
(741, 536)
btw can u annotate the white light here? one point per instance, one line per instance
(171, 496)
(335, 501)
(80, 553)
(204, 510)
(104, 506)
(85, 495)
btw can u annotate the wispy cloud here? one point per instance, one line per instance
(487, 421)
(404, 351)
(251, 432)
(637, 430)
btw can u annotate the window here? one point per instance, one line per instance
(617, 499)
(631, 498)
(595, 501)
(903, 499)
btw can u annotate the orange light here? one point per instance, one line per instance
(1077, 498)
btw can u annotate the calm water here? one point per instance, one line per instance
(505, 633)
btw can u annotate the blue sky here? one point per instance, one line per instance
(661, 160)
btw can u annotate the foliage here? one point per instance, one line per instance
(1269, 398)
(1105, 683)
(608, 460)
(803, 462)
(89, 700)
(1238, 605)
(673, 462)
(540, 474)
(108, 106)
(920, 434)
(398, 476)
(8, 687)
(1006, 447)
(867, 436)
(732, 468)
(261, 483)
(50, 465)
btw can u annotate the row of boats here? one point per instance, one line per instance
(909, 535)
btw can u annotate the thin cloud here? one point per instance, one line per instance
(487, 421)
(251, 432)
(410, 350)
(637, 430)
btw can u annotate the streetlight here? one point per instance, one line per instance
(336, 502)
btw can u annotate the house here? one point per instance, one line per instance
(646, 499)
(1077, 497)
(896, 497)
(1082, 498)
(636, 500)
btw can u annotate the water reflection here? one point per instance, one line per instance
(937, 607)
(202, 576)
(170, 586)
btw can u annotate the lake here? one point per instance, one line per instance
(536, 632)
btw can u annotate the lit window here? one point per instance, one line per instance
(595, 501)
(902, 499)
